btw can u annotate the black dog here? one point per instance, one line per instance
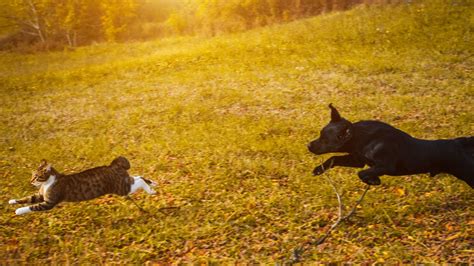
(390, 151)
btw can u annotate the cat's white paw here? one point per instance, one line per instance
(22, 210)
(12, 201)
(152, 192)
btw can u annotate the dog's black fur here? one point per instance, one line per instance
(390, 151)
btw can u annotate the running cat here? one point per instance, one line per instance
(55, 187)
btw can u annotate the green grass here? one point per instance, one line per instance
(222, 125)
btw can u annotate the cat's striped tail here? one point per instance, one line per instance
(121, 162)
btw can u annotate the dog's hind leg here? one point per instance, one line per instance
(469, 180)
(466, 174)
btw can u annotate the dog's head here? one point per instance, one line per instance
(333, 136)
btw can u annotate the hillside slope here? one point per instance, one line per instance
(222, 124)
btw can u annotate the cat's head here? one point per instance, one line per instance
(41, 174)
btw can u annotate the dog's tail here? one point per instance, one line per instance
(468, 144)
(121, 162)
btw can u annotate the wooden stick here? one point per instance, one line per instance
(340, 218)
(134, 202)
(298, 251)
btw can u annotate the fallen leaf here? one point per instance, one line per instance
(400, 191)
(453, 237)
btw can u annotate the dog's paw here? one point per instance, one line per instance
(152, 192)
(318, 170)
(373, 181)
(12, 201)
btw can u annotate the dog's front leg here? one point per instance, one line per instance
(345, 160)
(371, 175)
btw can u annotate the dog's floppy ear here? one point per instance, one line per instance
(335, 116)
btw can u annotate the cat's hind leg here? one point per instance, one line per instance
(140, 183)
(148, 181)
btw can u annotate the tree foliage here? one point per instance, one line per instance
(116, 17)
(80, 22)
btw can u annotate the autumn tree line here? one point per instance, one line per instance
(60, 23)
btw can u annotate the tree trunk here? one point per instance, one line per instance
(35, 23)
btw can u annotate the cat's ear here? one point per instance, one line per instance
(44, 164)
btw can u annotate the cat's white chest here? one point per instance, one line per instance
(47, 185)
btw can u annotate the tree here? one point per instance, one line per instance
(80, 22)
(27, 16)
(117, 15)
(176, 22)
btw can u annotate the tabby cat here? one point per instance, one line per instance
(55, 187)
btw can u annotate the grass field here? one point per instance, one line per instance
(221, 124)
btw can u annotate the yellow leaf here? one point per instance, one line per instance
(449, 227)
(400, 191)
(453, 237)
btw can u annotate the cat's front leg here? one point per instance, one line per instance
(37, 198)
(22, 210)
(43, 206)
